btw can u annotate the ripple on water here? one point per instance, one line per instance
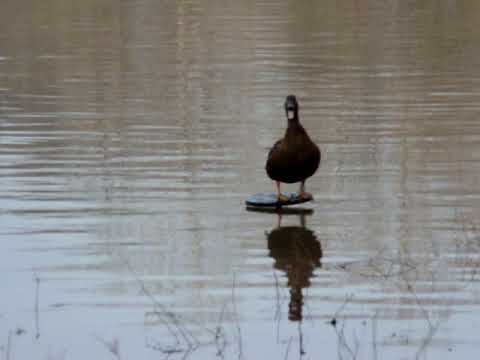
(130, 137)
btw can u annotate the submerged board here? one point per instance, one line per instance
(271, 200)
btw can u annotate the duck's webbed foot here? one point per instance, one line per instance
(281, 198)
(303, 194)
(306, 195)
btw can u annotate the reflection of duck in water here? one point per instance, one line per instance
(296, 251)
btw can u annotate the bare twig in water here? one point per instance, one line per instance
(187, 353)
(37, 302)
(220, 340)
(112, 346)
(342, 343)
(374, 335)
(301, 350)
(288, 347)
(348, 298)
(172, 321)
(427, 340)
(278, 310)
(412, 291)
(184, 340)
(239, 330)
(9, 346)
(357, 345)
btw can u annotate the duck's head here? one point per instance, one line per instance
(291, 108)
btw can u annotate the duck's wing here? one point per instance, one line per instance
(274, 147)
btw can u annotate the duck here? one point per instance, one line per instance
(295, 157)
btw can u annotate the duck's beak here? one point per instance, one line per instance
(291, 107)
(290, 111)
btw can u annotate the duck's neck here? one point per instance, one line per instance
(294, 122)
(294, 129)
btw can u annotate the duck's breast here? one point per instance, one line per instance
(290, 163)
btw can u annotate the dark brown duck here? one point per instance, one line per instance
(295, 157)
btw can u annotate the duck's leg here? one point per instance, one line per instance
(280, 196)
(279, 223)
(303, 193)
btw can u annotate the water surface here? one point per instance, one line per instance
(131, 133)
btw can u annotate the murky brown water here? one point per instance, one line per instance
(131, 132)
